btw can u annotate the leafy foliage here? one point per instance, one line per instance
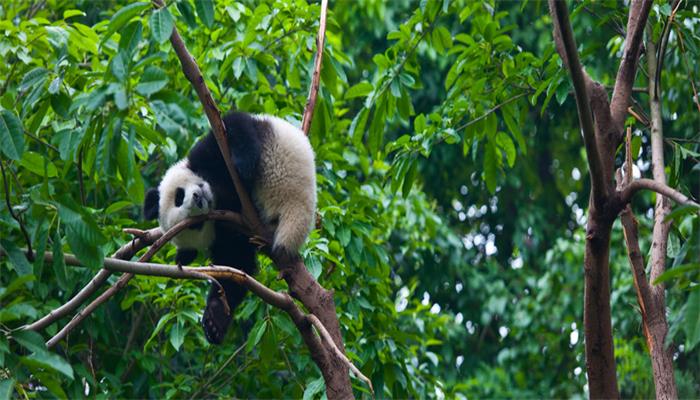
(451, 195)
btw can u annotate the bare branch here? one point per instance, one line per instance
(316, 77)
(328, 341)
(636, 21)
(567, 45)
(124, 279)
(125, 252)
(658, 187)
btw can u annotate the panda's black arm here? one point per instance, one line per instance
(244, 135)
(185, 256)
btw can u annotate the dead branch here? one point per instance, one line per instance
(316, 77)
(328, 341)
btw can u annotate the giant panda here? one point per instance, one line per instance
(275, 162)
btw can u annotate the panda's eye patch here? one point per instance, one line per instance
(179, 196)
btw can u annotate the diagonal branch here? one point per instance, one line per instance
(194, 75)
(316, 77)
(635, 186)
(636, 21)
(566, 44)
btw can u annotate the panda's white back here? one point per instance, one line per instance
(285, 191)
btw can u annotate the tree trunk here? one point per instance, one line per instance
(600, 356)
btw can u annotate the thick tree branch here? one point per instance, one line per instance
(566, 44)
(636, 21)
(316, 77)
(639, 184)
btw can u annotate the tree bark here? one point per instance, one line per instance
(600, 355)
(657, 325)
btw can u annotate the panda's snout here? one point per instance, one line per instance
(199, 200)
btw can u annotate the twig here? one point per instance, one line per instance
(316, 77)
(494, 109)
(223, 366)
(649, 184)
(30, 253)
(328, 341)
(661, 53)
(690, 70)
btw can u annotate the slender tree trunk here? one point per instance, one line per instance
(600, 356)
(657, 325)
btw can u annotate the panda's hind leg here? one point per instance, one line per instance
(233, 250)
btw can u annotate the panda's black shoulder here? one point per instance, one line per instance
(244, 133)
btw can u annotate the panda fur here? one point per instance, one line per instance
(275, 162)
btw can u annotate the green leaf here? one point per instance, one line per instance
(59, 264)
(359, 90)
(30, 340)
(490, 166)
(121, 17)
(17, 257)
(205, 11)
(38, 164)
(256, 334)
(177, 335)
(314, 388)
(152, 80)
(120, 66)
(162, 25)
(357, 126)
(11, 135)
(692, 322)
(72, 13)
(563, 91)
(506, 144)
(33, 78)
(49, 361)
(677, 272)
(6, 387)
(131, 36)
(60, 102)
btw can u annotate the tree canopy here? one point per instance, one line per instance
(453, 194)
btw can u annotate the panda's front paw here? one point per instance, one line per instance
(217, 316)
(258, 241)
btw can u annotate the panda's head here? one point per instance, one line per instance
(181, 194)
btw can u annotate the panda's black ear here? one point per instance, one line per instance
(150, 205)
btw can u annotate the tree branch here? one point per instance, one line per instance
(566, 44)
(194, 75)
(636, 21)
(126, 252)
(328, 341)
(316, 77)
(30, 253)
(658, 187)
(124, 279)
